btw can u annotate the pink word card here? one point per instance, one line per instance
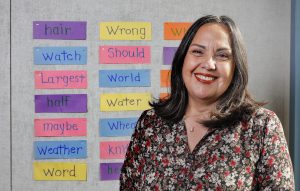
(60, 79)
(124, 54)
(113, 149)
(61, 127)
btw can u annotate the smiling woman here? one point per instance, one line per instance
(208, 67)
(209, 133)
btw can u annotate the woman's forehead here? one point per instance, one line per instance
(212, 34)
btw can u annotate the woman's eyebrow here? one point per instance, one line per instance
(222, 49)
(198, 45)
(204, 47)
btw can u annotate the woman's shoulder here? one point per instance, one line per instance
(149, 113)
(264, 113)
(149, 118)
(265, 117)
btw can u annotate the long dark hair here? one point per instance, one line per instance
(234, 105)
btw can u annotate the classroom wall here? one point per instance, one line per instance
(4, 97)
(265, 25)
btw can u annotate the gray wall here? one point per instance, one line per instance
(4, 96)
(265, 25)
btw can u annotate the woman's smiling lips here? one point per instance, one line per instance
(205, 78)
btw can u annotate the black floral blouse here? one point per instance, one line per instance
(250, 156)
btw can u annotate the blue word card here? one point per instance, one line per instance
(124, 78)
(60, 55)
(116, 127)
(60, 149)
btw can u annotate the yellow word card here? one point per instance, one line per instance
(124, 102)
(59, 171)
(125, 31)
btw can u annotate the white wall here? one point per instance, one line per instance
(5, 96)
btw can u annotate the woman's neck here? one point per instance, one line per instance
(199, 109)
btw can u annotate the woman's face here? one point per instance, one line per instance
(208, 65)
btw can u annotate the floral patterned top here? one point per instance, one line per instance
(252, 155)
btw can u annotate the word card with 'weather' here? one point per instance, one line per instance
(75, 149)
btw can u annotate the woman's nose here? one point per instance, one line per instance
(209, 63)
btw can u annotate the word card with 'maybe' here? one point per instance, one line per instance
(60, 127)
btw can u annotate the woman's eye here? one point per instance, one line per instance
(197, 52)
(223, 56)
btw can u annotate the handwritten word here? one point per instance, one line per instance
(114, 127)
(60, 55)
(121, 126)
(63, 56)
(124, 54)
(61, 103)
(60, 149)
(113, 149)
(57, 79)
(60, 127)
(125, 31)
(59, 30)
(124, 78)
(129, 101)
(128, 31)
(121, 78)
(124, 102)
(115, 52)
(110, 171)
(59, 171)
(176, 30)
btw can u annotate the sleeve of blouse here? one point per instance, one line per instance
(133, 164)
(274, 169)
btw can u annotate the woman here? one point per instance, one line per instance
(209, 134)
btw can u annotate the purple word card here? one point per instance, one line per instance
(59, 30)
(169, 53)
(110, 171)
(61, 103)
